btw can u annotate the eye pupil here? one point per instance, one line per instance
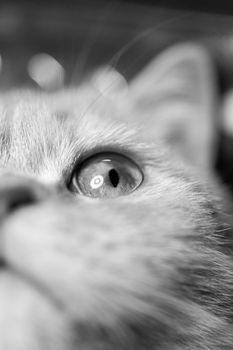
(114, 177)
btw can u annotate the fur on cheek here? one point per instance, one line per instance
(119, 276)
(28, 319)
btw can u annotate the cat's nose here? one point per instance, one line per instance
(17, 192)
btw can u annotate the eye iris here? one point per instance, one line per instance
(114, 177)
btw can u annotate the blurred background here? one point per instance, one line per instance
(48, 44)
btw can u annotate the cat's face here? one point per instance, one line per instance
(97, 260)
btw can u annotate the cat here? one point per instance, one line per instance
(115, 232)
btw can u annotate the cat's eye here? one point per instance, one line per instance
(106, 175)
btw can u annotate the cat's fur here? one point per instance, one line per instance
(152, 270)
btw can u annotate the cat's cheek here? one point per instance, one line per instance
(28, 321)
(98, 270)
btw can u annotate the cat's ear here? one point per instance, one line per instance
(175, 97)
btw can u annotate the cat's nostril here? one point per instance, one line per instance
(19, 197)
(2, 263)
(13, 196)
(17, 192)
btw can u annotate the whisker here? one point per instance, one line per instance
(114, 61)
(93, 33)
(117, 56)
(94, 101)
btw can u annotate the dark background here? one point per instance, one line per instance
(224, 6)
(82, 35)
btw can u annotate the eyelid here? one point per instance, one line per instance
(136, 157)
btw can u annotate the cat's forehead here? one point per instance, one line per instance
(66, 102)
(45, 134)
